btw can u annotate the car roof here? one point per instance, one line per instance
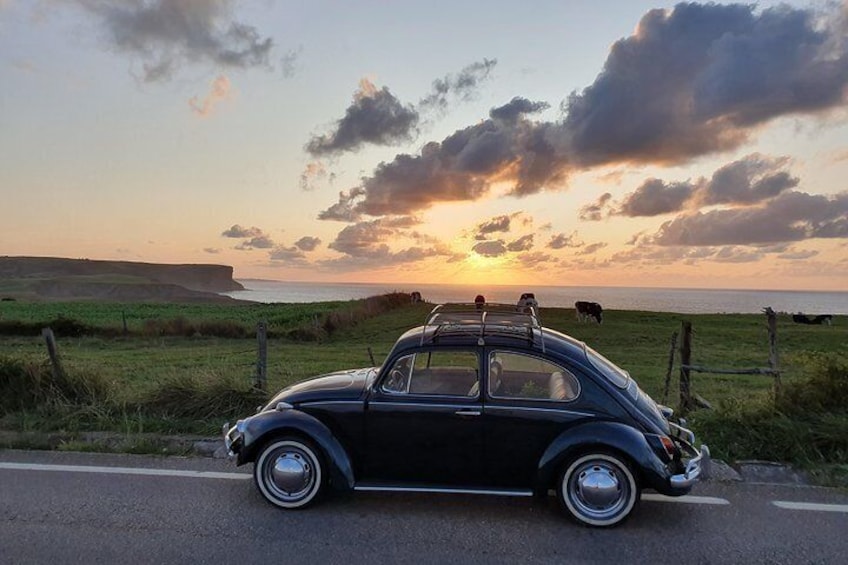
(491, 325)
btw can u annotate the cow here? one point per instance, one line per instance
(800, 318)
(480, 301)
(527, 302)
(588, 310)
(415, 297)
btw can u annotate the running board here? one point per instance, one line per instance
(441, 490)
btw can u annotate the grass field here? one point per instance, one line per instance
(140, 366)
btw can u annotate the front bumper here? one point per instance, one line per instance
(233, 438)
(697, 466)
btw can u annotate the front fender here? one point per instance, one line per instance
(603, 435)
(270, 423)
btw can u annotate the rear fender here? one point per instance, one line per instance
(271, 423)
(602, 436)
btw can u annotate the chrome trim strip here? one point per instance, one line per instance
(314, 402)
(534, 409)
(443, 490)
(424, 405)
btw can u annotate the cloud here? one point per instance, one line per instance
(166, 34)
(595, 211)
(307, 243)
(220, 90)
(516, 108)
(258, 242)
(288, 62)
(494, 225)
(291, 255)
(462, 86)
(212, 250)
(523, 243)
(533, 260)
(364, 245)
(343, 210)
(747, 181)
(238, 232)
(791, 216)
(376, 116)
(494, 248)
(592, 248)
(700, 78)
(560, 241)
(314, 173)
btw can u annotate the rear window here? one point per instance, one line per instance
(618, 377)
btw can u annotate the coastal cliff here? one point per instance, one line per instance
(60, 278)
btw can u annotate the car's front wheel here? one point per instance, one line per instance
(598, 489)
(288, 472)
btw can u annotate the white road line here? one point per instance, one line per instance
(811, 506)
(123, 471)
(686, 499)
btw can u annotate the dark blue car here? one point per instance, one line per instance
(474, 401)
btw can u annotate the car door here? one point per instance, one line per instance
(423, 420)
(529, 401)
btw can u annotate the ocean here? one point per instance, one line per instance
(680, 300)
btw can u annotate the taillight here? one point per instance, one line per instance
(669, 446)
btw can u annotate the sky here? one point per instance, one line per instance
(608, 143)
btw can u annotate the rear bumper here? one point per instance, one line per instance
(697, 467)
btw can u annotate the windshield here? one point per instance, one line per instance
(618, 377)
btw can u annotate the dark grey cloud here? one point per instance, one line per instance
(592, 248)
(523, 243)
(258, 242)
(288, 62)
(166, 34)
(494, 225)
(290, 255)
(462, 86)
(516, 108)
(364, 245)
(791, 216)
(307, 243)
(698, 79)
(747, 181)
(343, 210)
(534, 260)
(689, 82)
(560, 241)
(238, 232)
(595, 211)
(375, 116)
(494, 248)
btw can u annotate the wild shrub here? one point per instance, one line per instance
(807, 423)
(337, 320)
(25, 385)
(190, 397)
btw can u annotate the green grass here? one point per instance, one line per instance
(133, 377)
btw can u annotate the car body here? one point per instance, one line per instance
(474, 401)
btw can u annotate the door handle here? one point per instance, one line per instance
(467, 412)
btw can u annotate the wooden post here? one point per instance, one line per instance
(771, 319)
(53, 352)
(670, 366)
(262, 358)
(124, 319)
(685, 361)
(371, 356)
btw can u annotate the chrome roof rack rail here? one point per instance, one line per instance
(483, 319)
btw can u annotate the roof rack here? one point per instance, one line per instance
(484, 319)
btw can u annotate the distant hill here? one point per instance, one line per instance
(54, 278)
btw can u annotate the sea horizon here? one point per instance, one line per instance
(654, 299)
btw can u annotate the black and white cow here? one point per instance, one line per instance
(800, 318)
(589, 310)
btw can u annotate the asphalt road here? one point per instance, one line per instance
(140, 509)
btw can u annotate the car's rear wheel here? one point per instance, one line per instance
(289, 472)
(598, 488)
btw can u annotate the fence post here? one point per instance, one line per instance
(685, 362)
(371, 356)
(771, 319)
(670, 366)
(53, 353)
(262, 358)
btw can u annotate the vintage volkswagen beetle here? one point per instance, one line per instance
(474, 401)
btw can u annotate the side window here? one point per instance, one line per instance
(443, 373)
(513, 375)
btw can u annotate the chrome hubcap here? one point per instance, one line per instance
(292, 474)
(598, 489)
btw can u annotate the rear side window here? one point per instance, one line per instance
(514, 375)
(617, 376)
(438, 373)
